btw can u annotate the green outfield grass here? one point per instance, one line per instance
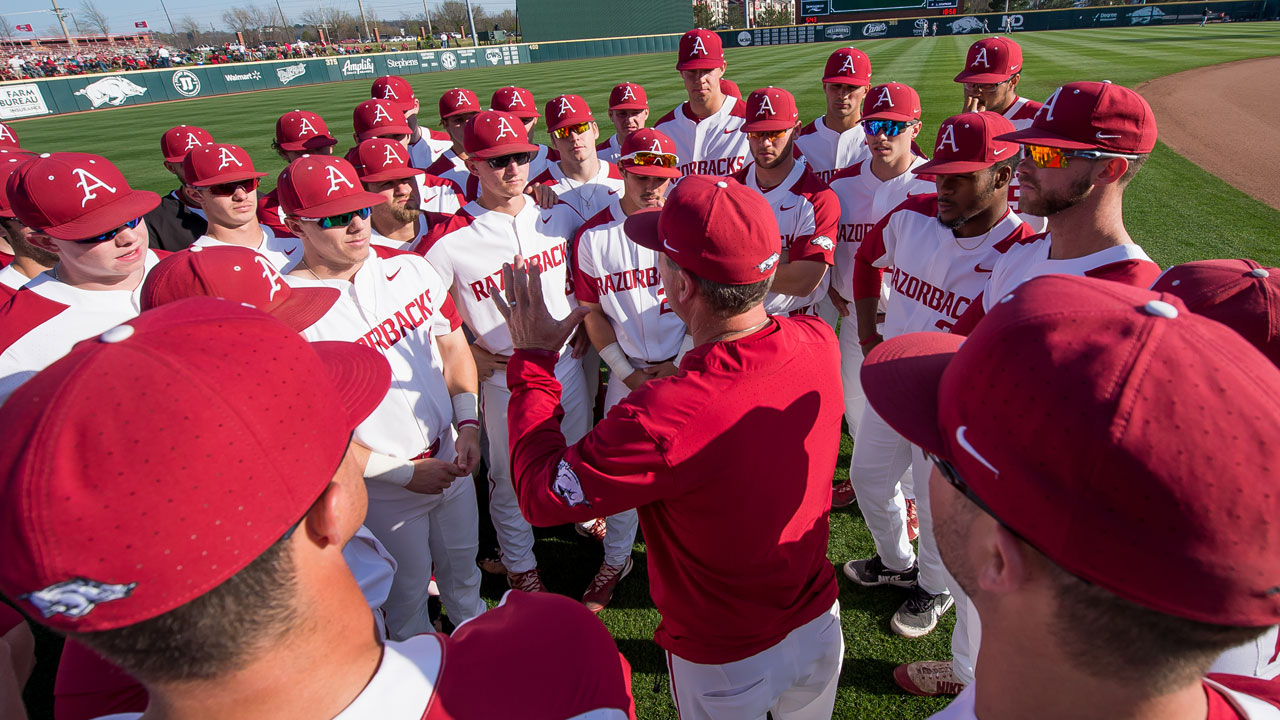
(1175, 210)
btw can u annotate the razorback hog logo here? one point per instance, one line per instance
(225, 158)
(823, 242)
(980, 57)
(88, 187)
(948, 138)
(271, 275)
(768, 263)
(567, 486)
(305, 126)
(766, 105)
(415, 314)
(75, 598)
(336, 178)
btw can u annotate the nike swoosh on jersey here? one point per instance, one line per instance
(979, 268)
(433, 197)
(546, 220)
(784, 208)
(393, 275)
(729, 130)
(613, 192)
(289, 252)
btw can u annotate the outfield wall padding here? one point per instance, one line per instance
(53, 96)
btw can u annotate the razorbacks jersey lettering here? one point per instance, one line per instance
(610, 150)
(281, 252)
(428, 149)
(470, 249)
(808, 216)
(828, 152)
(622, 277)
(589, 197)
(712, 145)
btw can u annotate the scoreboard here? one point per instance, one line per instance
(819, 8)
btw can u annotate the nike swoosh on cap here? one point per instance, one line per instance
(997, 152)
(1104, 137)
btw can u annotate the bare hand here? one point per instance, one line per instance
(531, 324)
(487, 363)
(866, 349)
(543, 195)
(972, 104)
(432, 477)
(468, 447)
(580, 342)
(639, 377)
(841, 305)
(665, 369)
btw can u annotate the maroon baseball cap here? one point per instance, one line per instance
(566, 110)
(321, 185)
(848, 66)
(375, 118)
(494, 134)
(1240, 294)
(991, 60)
(1144, 471)
(178, 141)
(716, 228)
(104, 524)
(1092, 116)
(967, 142)
(396, 89)
(238, 274)
(72, 196)
(218, 163)
(628, 96)
(514, 100)
(891, 101)
(379, 159)
(9, 138)
(299, 130)
(770, 108)
(457, 101)
(730, 88)
(650, 141)
(10, 160)
(700, 50)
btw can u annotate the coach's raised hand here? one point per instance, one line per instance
(531, 324)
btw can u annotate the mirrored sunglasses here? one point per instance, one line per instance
(341, 219)
(645, 158)
(891, 128)
(562, 133)
(110, 233)
(522, 158)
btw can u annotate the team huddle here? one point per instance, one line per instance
(242, 430)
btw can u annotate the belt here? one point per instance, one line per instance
(429, 452)
(652, 363)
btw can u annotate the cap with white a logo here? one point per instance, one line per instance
(967, 142)
(322, 185)
(1092, 116)
(72, 196)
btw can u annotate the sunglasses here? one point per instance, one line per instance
(227, 189)
(644, 158)
(520, 158)
(341, 219)
(769, 135)
(110, 233)
(562, 133)
(891, 128)
(989, 86)
(1051, 157)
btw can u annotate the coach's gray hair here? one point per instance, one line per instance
(727, 301)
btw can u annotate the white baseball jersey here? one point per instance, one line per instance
(451, 167)
(470, 249)
(862, 196)
(440, 195)
(396, 304)
(44, 319)
(1021, 113)
(712, 145)
(828, 151)
(808, 216)
(429, 148)
(11, 281)
(589, 197)
(281, 252)
(622, 277)
(381, 240)
(1031, 259)
(936, 276)
(373, 568)
(610, 150)
(545, 157)
(1259, 658)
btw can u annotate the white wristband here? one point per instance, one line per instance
(617, 361)
(466, 409)
(387, 469)
(685, 347)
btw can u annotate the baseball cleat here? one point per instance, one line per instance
(913, 521)
(919, 615)
(929, 678)
(871, 572)
(600, 592)
(842, 495)
(593, 529)
(492, 565)
(527, 581)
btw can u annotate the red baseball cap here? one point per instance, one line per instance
(566, 110)
(716, 228)
(514, 100)
(457, 101)
(770, 108)
(178, 141)
(493, 134)
(238, 274)
(396, 89)
(375, 118)
(299, 130)
(650, 141)
(1240, 294)
(991, 60)
(72, 196)
(379, 159)
(848, 66)
(1092, 116)
(9, 138)
(628, 96)
(104, 525)
(700, 50)
(318, 186)
(1151, 482)
(891, 101)
(730, 88)
(218, 163)
(10, 160)
(967, 142)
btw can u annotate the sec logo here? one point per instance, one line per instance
(186, 83)
(448, 60)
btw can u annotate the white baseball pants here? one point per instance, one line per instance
(515, 535)
(423, 532)
(795, 679)
(620, 530)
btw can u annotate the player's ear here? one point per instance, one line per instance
(915, 129)
(42, 241)
(1109, 172)
(1003, 175)
(294, 225)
